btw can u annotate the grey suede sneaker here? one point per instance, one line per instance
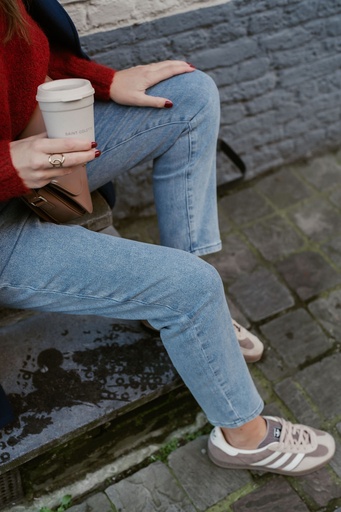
(288, 449)
(251, 347)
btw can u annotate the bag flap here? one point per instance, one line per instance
(72, 183)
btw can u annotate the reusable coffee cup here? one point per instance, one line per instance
(67, 108)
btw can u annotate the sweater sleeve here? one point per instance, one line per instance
(11, 185)
(66, 65)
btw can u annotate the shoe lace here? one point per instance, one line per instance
(297, 438)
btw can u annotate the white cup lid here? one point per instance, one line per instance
(67, 89)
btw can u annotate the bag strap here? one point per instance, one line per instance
(232, 155)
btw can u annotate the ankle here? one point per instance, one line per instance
(247, 437)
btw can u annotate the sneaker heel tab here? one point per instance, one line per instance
(218, 439)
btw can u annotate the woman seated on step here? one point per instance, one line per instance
(167, 113)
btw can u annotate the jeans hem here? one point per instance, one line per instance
(240, 422)
(209, 249)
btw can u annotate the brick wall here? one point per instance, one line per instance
(277, 64)
(92, 16)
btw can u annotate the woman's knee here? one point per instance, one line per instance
(190, 93)
(200, 281)
(202, 92)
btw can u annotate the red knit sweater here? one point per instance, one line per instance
(23, 67)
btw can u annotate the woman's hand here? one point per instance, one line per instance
(30, 157)
(129, 85)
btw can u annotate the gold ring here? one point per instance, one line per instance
(55, 161)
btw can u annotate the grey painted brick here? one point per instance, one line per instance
(276, 63)
(233, 113)
(333, 133)
(190, 21)
(223, 76)
(316, 28)
(286, 39)
(329, 8)
(333, 27)
(331, 114)
(287, 59)
(264, 125)
(286, 149)
(329, 100)
(227, 31)
(160, 51)
(247, 8)
(309, 71)
(271, 3)
(265, 162)
(198, 39)
(251, 69)
(228, 54)
(260, 104)
(304, 11)
(248, 90)
(266, 22)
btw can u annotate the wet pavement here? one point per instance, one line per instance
(281, 266)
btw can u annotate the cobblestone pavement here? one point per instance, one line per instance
(281, 265)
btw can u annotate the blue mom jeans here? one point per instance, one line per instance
(70, 269)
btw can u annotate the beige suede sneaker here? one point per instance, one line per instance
(251, 347)
(288, 449)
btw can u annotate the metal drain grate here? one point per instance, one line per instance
(11, 489)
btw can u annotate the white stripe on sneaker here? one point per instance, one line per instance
(266, 461)
(281, 461)
(295, 462)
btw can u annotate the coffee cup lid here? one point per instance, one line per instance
(66, 89)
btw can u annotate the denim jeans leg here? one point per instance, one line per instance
(181, 142)
(177, 292)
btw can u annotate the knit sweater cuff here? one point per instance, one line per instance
(11, 185)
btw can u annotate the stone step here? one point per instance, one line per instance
(85, 391)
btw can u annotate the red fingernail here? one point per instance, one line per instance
(168, 104)
(98, 153)
(93, 145)
(191, 65)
